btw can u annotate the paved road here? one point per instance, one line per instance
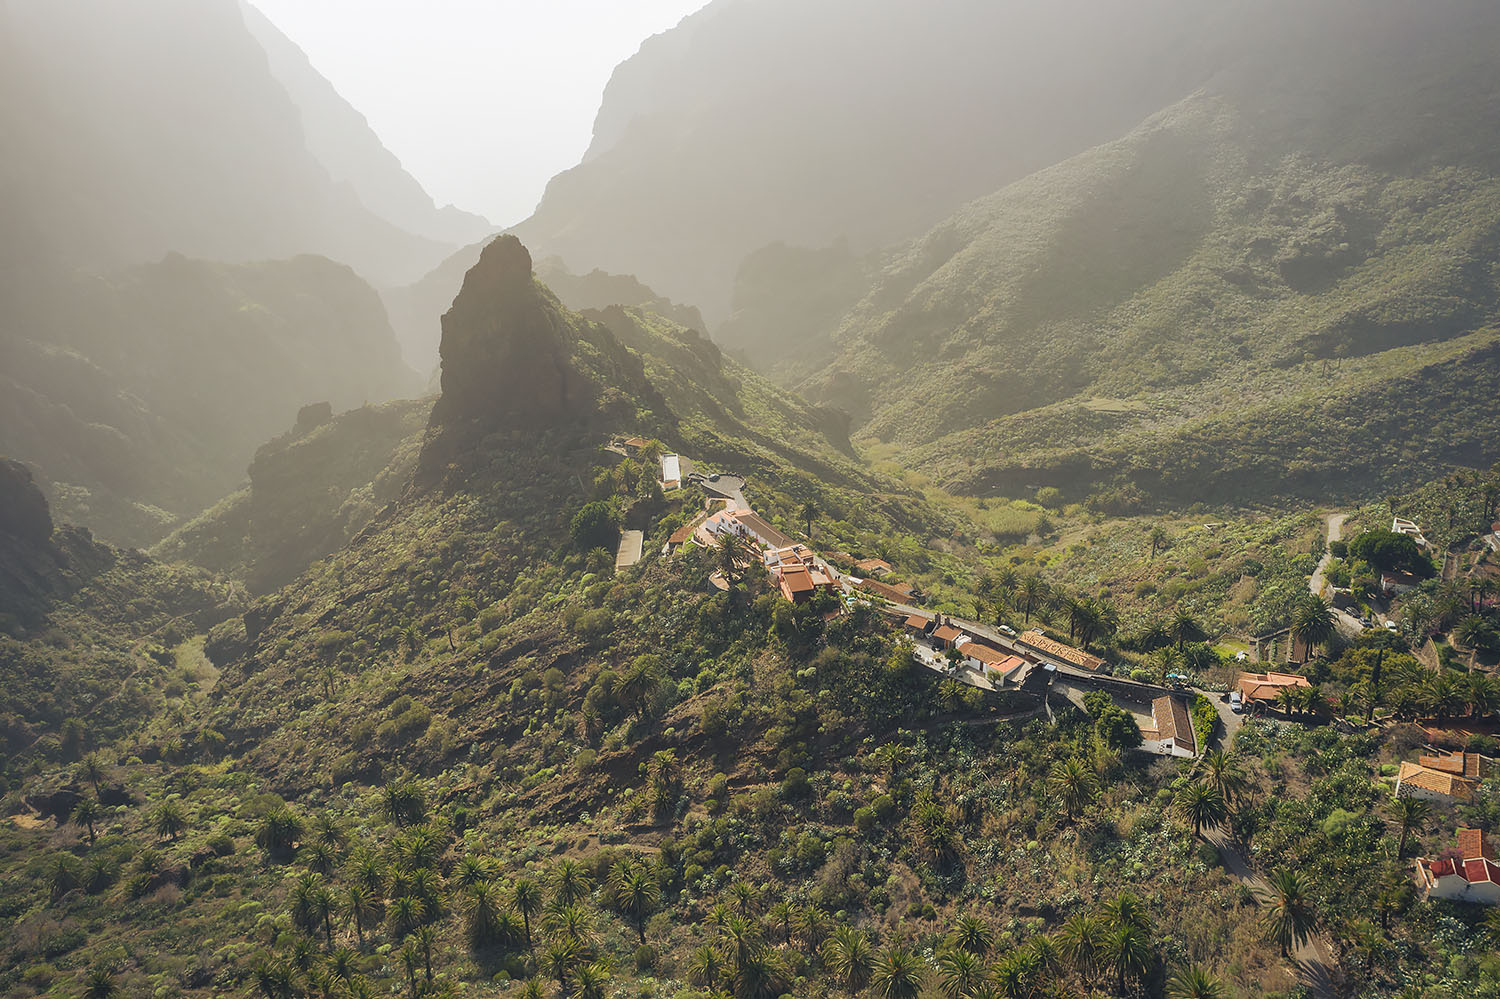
(1347, 623)
(730, 487)
(630, 549)
(1315, 964)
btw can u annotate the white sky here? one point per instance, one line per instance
(483, 101)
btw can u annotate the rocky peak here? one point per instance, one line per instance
(507, 350)
(23, 509)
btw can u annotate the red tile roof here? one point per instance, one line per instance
(1461, 764)
(987, 655)
(947, 633)
(681, 535)
(872, 565)
(1268, 686)
(1436, 781)
(918, 622)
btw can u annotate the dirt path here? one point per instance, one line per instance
(1315, 964)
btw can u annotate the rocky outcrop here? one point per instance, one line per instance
(506, 350)
(24, 515)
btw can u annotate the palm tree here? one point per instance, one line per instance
(591, 981)
(85, 814)
(1202, 805)
(1312, 624)
(958, 973)
(1158, 539)
(169, 821)
(1287, 700)
(850, 958)
(484, 915)
(1225, 773)
(973, 935)
(1193, 982)
(742, 938)
(1033, 592)
(1126, 910)
(761, 975)
(526, 896)
(1083, 941)
(411, 960)
(99, 983)
(729, 552)
(1184, 628)
(811, 924)
(808, 514)
(322, 909)
(406, 914)
(637, 896)
(471, 871)
(92, 770)
(363, 908)
(1289, 919)
(707, 967)
(1410, 814)
(1074, 783)
(898, 974)
(1128, 949)
(559, 960)
(570, 882)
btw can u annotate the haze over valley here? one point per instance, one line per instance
(940, 500)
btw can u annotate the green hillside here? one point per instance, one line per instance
(1187, 312)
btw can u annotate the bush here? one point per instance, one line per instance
(594, 527)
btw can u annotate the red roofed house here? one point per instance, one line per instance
(797, 573)
(1174, 728)
(873, 567)
(1000, 666)
(918, 626)
(1268, 686)
(945, 636)
(1468, 874)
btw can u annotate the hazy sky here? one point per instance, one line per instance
(482, 100)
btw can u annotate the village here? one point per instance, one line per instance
(1030, 662)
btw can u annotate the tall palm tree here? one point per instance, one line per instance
(637, 896)
(731, 552)
(1033, 592)
(484, 911)
(86, 813)
(1312, 624)
(169, 820)
(1289, 919)
(1225, 773)
(362, 907)
(1184, 628)
(1193, 982)
(1201, 805)
(761, 975)
(1125, 909)
(1158, 539)
(559, 961)
(811, 925)
(1410, 814)
(1129, 953)
(849, 958)
(91, 769)
(570, 882)
(1073, 783)
(898, 974)
(526, 896)
(808, 514)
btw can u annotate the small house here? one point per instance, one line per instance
(1467, 874)
(1413, 780)
(1173, 723)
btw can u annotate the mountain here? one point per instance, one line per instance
(311, 491)
(340, 138)
(86, 630)
(416, 309)
(780, 121)
(154, 127)
(141, 395)
(1262, 291)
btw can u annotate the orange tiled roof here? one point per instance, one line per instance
(947, 633)
(918, 621)
(1435, 781)
(1268, 686)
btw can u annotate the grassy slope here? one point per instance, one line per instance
(1175, 301)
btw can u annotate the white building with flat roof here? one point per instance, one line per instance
(671, 472)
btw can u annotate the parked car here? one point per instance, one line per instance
(1236, 702)
(1392, 626)
(1006, 629)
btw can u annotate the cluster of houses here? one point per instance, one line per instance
(1000, 668)
(1470, 872)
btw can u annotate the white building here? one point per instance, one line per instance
(1174, 728)
(671, 472)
